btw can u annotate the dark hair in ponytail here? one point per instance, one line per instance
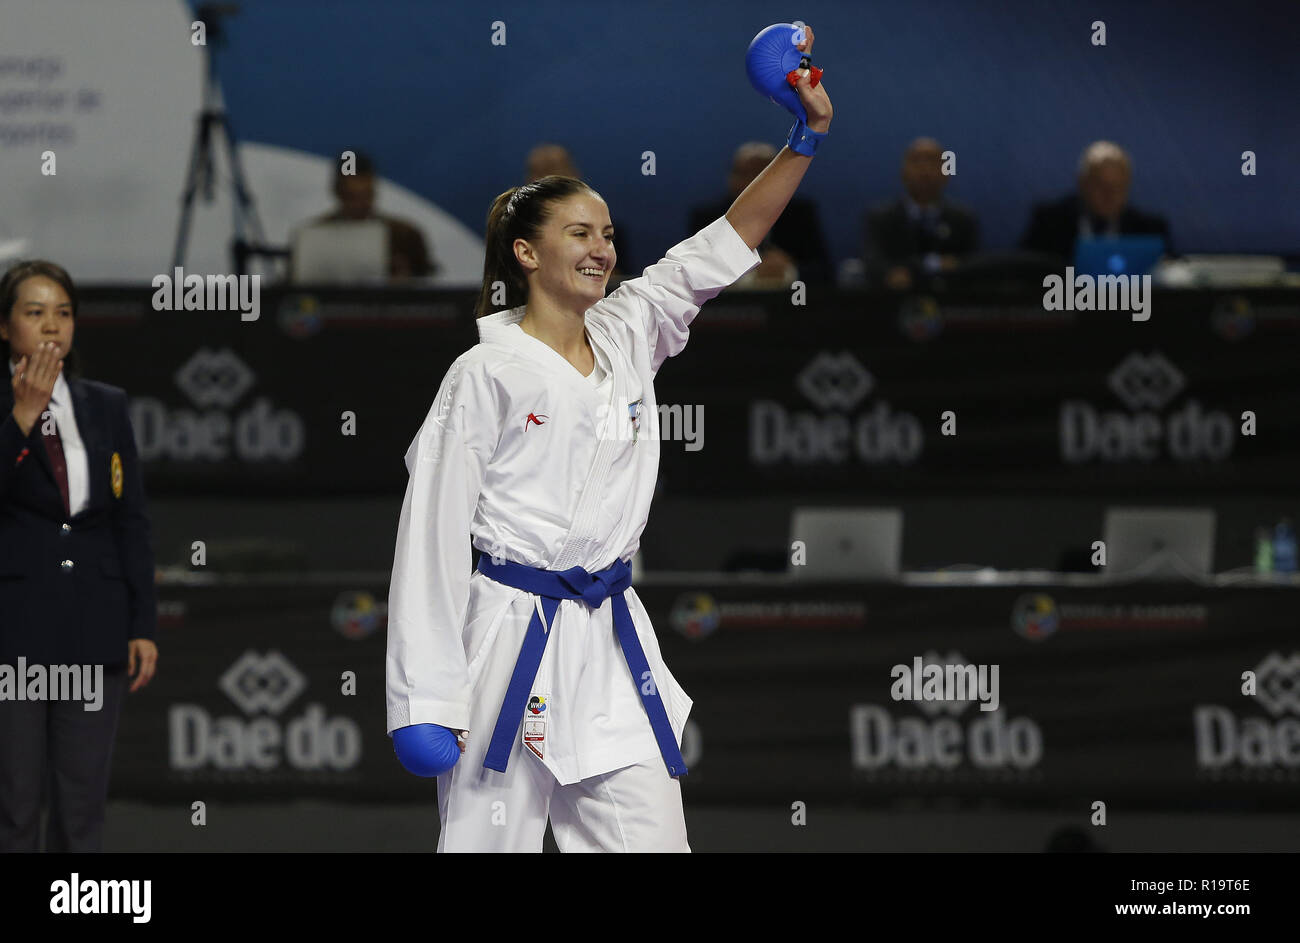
(519, 213)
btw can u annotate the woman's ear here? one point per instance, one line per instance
(525, 256)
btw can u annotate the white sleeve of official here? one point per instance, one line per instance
(426, 675)
(668, 295)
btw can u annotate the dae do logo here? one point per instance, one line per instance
(214, 431)
(836, 384)
(262, 686)
(1146, 385)
(1230, 738)
(886, 738)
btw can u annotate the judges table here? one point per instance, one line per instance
(1079, 690)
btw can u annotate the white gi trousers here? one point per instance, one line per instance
(636, 808)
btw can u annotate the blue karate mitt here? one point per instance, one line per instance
(426, 749)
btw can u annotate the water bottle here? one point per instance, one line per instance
(1284, 550)
(1263, 550)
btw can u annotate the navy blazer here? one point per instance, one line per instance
(74, 591)
(1054, 227)
(894, 238)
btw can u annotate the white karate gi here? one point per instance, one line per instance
(546, 467)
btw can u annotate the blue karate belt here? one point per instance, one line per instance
(593, 589)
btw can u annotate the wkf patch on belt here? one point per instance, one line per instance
(115, 473)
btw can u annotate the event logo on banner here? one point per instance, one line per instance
(698, 615)
(1146, 385)
(1237, 740)
(887, 741)
(833, 435)
(1034, 616)
(695, 615)
(1038, 616)
(920, 318)
(263, 687)
(1233, 318)
(214, 431)
(356, 614)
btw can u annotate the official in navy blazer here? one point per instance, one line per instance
(1100, 207)
(76, 566)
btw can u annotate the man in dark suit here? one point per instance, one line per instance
(76, 566)
(1099, 208)
(795, 240)
(913, 239)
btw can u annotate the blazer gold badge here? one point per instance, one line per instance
(117, 475)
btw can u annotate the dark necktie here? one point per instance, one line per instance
(928, 238)
(54, 448)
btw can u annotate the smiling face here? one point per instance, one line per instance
(42, 312)
(577, 238)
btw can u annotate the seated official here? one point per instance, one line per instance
(913, 240)
(1099, 208)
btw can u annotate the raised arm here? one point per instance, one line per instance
(757, 209)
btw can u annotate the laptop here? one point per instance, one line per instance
(847, 543)
(1118, 255)
(342, 252)
(1159, 542)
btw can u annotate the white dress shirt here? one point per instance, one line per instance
(74, 450)
(1086, 231)
(928, 217)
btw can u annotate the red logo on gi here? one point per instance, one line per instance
(535, 418)
(535, 736)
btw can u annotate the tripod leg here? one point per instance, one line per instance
(200, 163)
(243, 195)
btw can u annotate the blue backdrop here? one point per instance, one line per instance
(1015, 87)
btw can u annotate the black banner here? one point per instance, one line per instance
(847, 394)
(1152, 695)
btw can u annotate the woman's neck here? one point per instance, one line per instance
(562, 330)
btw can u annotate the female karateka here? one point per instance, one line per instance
(542, 448)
